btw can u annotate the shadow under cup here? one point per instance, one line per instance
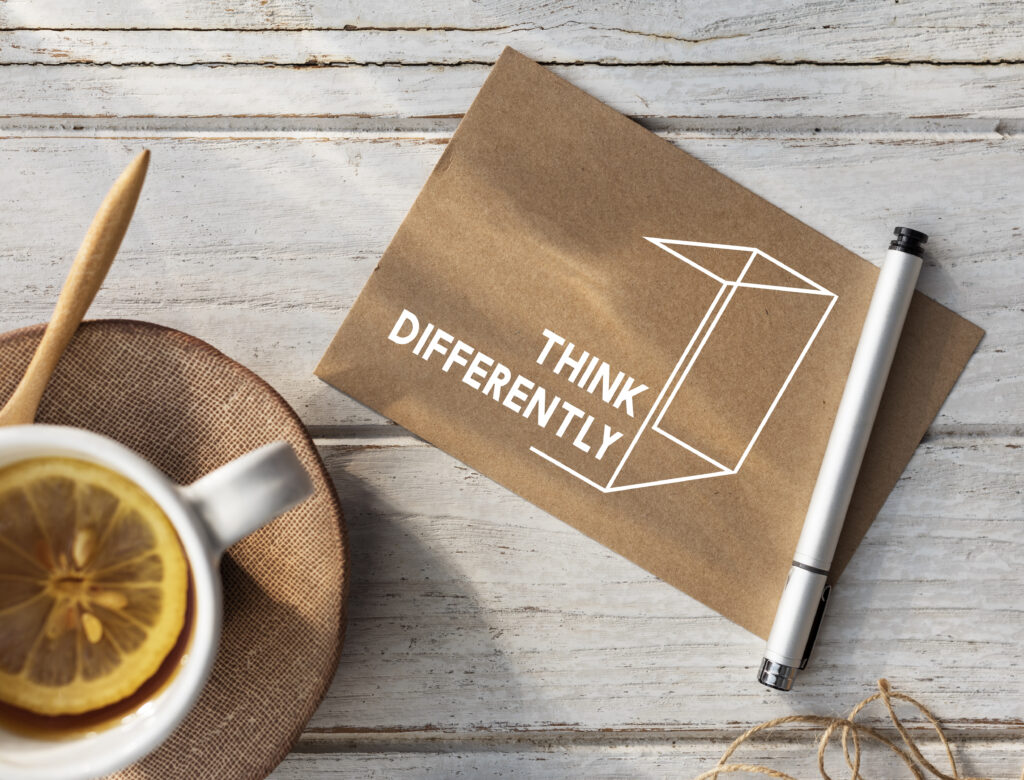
(101, 741)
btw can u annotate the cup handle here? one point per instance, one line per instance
(249, 492)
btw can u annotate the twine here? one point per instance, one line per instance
(851, 732)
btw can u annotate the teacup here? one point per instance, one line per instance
(209, 516)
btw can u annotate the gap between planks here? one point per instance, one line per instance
(492, 739)
(440, 128)
(781, 63)
(392, 435)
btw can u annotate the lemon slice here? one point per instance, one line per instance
(93, 586)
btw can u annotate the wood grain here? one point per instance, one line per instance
(473, 610)
(619, 31)
(252, 97)
(571, 43)
(488, 639)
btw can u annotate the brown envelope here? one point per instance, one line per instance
(633, 342)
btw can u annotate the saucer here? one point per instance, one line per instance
(188, 408)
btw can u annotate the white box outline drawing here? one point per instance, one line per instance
(685, 363)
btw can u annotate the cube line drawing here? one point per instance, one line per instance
(730, 458)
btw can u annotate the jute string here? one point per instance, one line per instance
(852, 733)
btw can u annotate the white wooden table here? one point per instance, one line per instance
(485, 638)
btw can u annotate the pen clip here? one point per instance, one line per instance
(815, 626)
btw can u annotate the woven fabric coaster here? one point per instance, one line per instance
(188, 409)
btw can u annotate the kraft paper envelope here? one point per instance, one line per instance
(632, 341)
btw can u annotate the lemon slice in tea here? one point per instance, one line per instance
(93, 586)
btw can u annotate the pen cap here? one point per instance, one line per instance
(908, 240)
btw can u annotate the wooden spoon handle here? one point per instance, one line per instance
(90, 267)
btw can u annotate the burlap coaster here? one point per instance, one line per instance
(188, 408)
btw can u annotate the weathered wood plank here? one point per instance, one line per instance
(445, 31)
(570, 44)
(473, 611)
(675, 758)
(868, 97)
(487, 638)
(277, 235)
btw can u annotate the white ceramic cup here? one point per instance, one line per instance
(209, 516)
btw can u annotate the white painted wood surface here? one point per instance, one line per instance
(486, 638)
(450, 32)
(761, 97)
(277, 234)
(503, 614)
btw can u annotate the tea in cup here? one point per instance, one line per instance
(110, 597)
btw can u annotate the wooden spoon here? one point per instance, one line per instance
(90, 267)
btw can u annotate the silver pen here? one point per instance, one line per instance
(806, 592)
